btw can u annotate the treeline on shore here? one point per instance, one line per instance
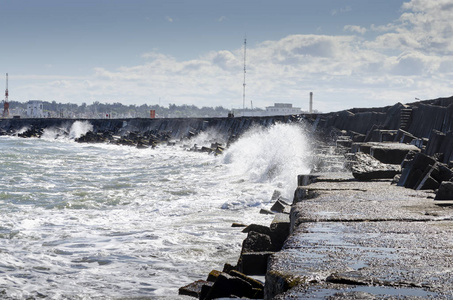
(119, 110)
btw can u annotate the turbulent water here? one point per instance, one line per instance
(90, 221)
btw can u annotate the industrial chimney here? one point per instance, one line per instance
(311, 103)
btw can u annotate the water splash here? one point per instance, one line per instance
(276, 154)
(206, 138)
(79, 128)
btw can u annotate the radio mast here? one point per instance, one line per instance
(6, 102)
(243, 85)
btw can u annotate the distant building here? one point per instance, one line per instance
(35, 109)
(282, 109)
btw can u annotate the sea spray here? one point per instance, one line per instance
(276, 154)
(206, 138)
(79, 128)
(68, 130)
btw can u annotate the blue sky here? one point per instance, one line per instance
(349, 53)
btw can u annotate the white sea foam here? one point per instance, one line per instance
(79, 128)
(105, 221)
(276, 154)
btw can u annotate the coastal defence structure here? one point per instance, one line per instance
(381, 229)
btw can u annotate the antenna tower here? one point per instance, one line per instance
(6, 102)
(243, 85)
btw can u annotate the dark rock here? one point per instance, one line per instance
(212, 277)
(303, 193)
(257, 228)
(445, 191)
(254, 263)
(227, 268)
(238, 225)
(194, 289)
(304, 180)
(255, 283)
(256, 242)
(280, 227)
(227, 286)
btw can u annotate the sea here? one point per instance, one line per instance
(103, 221)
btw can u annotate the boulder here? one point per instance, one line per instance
(280, 228)
(281, 206)
(230, 286)
(445, 191)
(194, 289)
(254, 263)
(257, 228)
(256, 242)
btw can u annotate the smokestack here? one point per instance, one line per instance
(311, 103)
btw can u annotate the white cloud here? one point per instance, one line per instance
(355, 28)
(408, 58)
(424, 26)
(341, 10)
(169, 19)
(222, 18)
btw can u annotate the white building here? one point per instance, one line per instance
(35, 109)
(282, 109)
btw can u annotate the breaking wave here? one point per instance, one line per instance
(276, 154)
(79, 128)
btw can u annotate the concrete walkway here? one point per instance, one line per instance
(364, 240)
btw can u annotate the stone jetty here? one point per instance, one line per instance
(380, 229)
(374, 220)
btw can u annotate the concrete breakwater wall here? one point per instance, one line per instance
(418, 118)
(176, 128)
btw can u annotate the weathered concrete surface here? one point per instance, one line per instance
(365, 240)
(387, 153)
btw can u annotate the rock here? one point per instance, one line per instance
(257, 228)
(213, 275)
(368, 168)
(304, 180)
(281, 206)
(445, 191)
(227, 286)
(238, 225)
(194, 289)
(279, 230)
(227, 268)
(254, 263)
(256, 242)
(255, 283)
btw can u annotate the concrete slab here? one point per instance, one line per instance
(387, 240)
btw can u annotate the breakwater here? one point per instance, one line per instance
(353, 235)
(176, 128)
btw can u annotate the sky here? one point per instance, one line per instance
(349, 53)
